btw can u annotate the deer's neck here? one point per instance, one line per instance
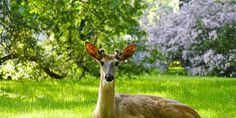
(106, 103)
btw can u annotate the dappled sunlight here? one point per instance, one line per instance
(60, 113)
(78, 98)
(46, 96)
(208, 113)
(202, 93)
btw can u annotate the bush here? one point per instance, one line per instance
(201, 36)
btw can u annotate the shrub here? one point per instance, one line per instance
(201, 36)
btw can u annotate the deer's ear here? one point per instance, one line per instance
(93, 51)
(128, 52)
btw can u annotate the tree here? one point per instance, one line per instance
(51, 34)
(200, 36)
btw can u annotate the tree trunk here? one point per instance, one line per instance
(46, 69)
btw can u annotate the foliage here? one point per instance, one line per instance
(50, 35)
(200, 36)
(69, 98)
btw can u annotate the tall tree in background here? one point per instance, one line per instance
(49, 35)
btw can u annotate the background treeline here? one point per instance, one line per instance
(45, 38)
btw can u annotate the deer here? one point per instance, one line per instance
(112, 105)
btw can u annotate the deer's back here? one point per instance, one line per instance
(145, 106)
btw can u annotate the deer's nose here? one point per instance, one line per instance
(109, 77)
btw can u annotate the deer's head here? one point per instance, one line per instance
(109, 62)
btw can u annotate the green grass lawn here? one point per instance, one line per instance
(212, 97)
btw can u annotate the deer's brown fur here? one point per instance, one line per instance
(111, 105)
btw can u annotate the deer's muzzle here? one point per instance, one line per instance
(109, 77)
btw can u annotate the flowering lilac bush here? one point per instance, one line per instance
(202, 36)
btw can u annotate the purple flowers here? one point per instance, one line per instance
(201, 36)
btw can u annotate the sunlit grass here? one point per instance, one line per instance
(212, 97)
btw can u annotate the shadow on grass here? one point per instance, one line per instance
(211, 97)
(26, 96)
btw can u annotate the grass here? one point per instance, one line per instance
(212, 97)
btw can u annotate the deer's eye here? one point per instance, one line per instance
(102, 63)
(116, 63)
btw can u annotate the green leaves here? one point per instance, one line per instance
(41, 31)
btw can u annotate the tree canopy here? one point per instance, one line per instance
(47, 37)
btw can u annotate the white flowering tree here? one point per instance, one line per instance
(202, 36)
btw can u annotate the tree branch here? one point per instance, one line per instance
(47, 70)
(8, 57)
